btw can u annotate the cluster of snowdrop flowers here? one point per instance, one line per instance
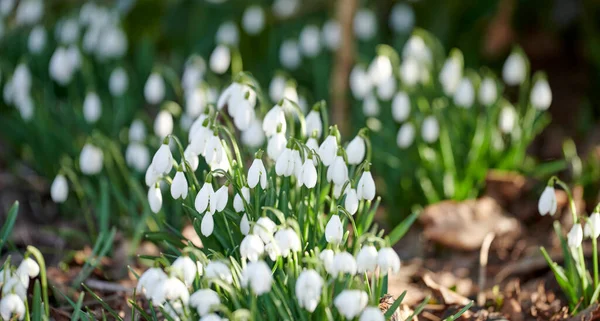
(14, 285)
(17, 91)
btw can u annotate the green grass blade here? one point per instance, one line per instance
(395, 305)
(8, 225)
(399, 231)
(459, 313)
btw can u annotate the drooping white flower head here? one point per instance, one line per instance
(191, 158)
(366, 259)
(402, 18)
(252, 248)
(365, 24)
(29, 12)
(61, 67)
(515, 69)
(309, 174)
(207, 226)
(451, 73)
(465, 93)
(388, 261)
(214, 152)
(238, 202)
(264, 228)
(277, 88)
(37, 40)
(288, 241)
(92, 107)
(162, 162)
(372, 314)
(541, 95)
(154, 89)
(507, 119)
(257, 275)
(218, 270)
(285, 8)
(204, 301)
(360, 82)
(228, 34)
(308, 289)
(274, 121)
(592, 227)
(314, 124)
(91, 159)
(430, 129)
(310, 41)
(289, 54)
(351, 201)
(163, 124)
(257, 173)
(547, 203)
(253, 20)
(193, 73)
(380, 69)
(387, 88)
(28, 268)
(575, 236)
(150, 281)
(179, 186)
(328, 150)
(334, 232)
(184, 268)
(6, 7)
(331, 34)
(338, 171)
(401, 107)
(59, 189)
(276, 146)
(245, 225)
(12, 306)
(155, 198)
(273, 251)
(327, 257)
(356, 150)
(410, 71)
(220, 59)
(284, 165)
(175, 290)
(253, 136)
(488, 92)
(218, 200)
(350, 303)
(416, 48)
(118, 82)
(344, 263)
(365, 190)
(137, 131)
(137, 156)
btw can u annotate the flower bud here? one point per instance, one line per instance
(541, 95)
(238, 202)
(179, 186)
(365, 189)
(328, 150)
(207, 225)
(351, 201)
(356, 150)
(257, 173)
(334, 231)
(245, 225)
(309, 174)
(575, 236)
(155, 198)
(220, 59)
(59, 189)
(154, 89)
(91, 159)
(547, 203)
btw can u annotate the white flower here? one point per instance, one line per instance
(220, 59)
(218, 270)
(401, 107)
(276, 145)
(289, 54)
(254, 137)
(162, 162)
(334, 231)
(185, 268)
(37, 40)
(465, 93)
(592, 228)
(252, 248)
(365, 190)
(137, 131)
(276, 88)
(16, 284)
(314, 125)
(253, 20)
(204, 300)
(11, 306)
(380, 69)
(430, 129)
(274, 119)
(313, 145)
(344, 263)
(366, 259)
(338, 171)
(137, 156)
(337, 191)
(257, 173)
(386, 88)
(175, 290)
(59, 189)
(245, 225)
(351, 201)
(273, 251)
(214, 150)
(193, 73)
(308, 289)
(388, 261)
(61, 67)
(350, 303)
(244, 115)
(6, 7)
(327, 257)
(365, 24)
(575, 236)
(191, 158)
(149, 281)
(218, 200)
(284, 166)
(410, 72)
(207, 225)
(238, 202)
(154, 89)
(507, 119)
(547, 203)
(451, 74)
(155, 198)
(212, 317)
(179, 186)
(163, 124)
(488, 93)
(29, 12)
(402, 18)
(372, 314)
(356, 151)
(227, 34)
(514, 70)
(541, 95)
(91, 159)
(360, 82)
(331, 34)
(92, 107)
(258, 276)
(29, 268)
(118, 82)
(309, 173)
(264, 228)
(285, 8)
(310, 41)
(328, 150)
(287, 241)
(199, 137)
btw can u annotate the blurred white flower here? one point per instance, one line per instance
(356, 150)
(401, 107)
(592, 227)
(575, 236)
(253, 137)
(179, 186)
(344, 263)
(410, 71)
(219, 198)
(388, 261)
(515, 69)
(12, 307)
(465, 93)
(162, 161)
(273, 251)
(541, 95)
(276, 146)
(238, 202)
(284, 165)
(193, 73)
(228, 34)
(112, 43)
(507, 119)
(331, 34)
(350, 303)
(289, 54)
(288, 241)
(175, 290)
(257, 275)
(402, 18)
(28, 268)
(253, 20)
(366, 259)
(547, 203)
(308, 289)
(257, 174)
(218, 270)
(92, 107)
(365, 190)
(334, 231)
(372, 314)
(67, 31)
(37, 40)
(185, 268)
(150, 282)
(386, 88)
(163, 124)
(430, 129)
(314, 124)
(327, 257)
(365, 24)
(220, 59)
(310, 41)
(59, 190)
(6, 6)
(61, 66)
(451, 74)
(309, 174)
(118, 82)
(380, 69)
(351, 201)
(338, 171)
(212, 316)
(274, 119)
(285, 8)
(328, 150)
(207, 225)
(91, 159)
(195, 102)
(416, 48)
(29, 12)
(137, 131)
(245, 225)
(204, 301)
(154, 89)
(252, 248)
(264, 228)
(406, 135)
(155, 198)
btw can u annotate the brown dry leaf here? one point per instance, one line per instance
(464, 225)
(592, 313)
(448, 296)
(190, 233)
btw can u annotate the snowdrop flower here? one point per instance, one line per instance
(191, 158)
(194, 70)
(289, 54)
(274, 121)
(284, 166)
(112, 43)
(12, 306)
(163, 124)
(276, 88)
(430, 129)
(406, 135)
(360, 82)
(227, 34)
(245, 225)
(547, 203)
(313, 145)
(401, 107)
(310, 40)
(356, 150)
(288, 241)
(338, 171)
(185, 268)
(372, 314)
(276, 145)
(258, 276)
(218, 200)
(366, 259)
(175, 290)
(67, 31)
(334, 231)
(238, 202)
(365, 24)
(416, 48)
(410, 71)
(118, 82)
(253, 136)
(541, 95)
(214, 149)
(162, 162)
(451, 73)
(402, 18)
(212, 317)
(273, 251)
(151, 176)
(465, 93)
(365, 190)
(308, 289)
(371, 106)
(220, 59)
(386, 88)
(515, 69)
(327, 257)
(252, 248)
(309, 173)
(61, 68)
(285, 8)
(29, 12)
(257, 173)
(222, 165)
(314, 124)
(6, 7)
(59, 189)
(37, 40)
(91, 159)
(351, 201)
(28, 268)
(575, 236)
(253, 20)
(16, 284)
(207, 225)
(218, 270)
(154, 89)
(203, 197)
(204, 301)
(592, 228)
(388, 261)
(264, 228)
(150, 280)
(92, 107)
(507, 119)
(328, 150)
(488, 93)
(155, 198)
(337, 191)
(380, 69)
(179, 186)
(331, 34)
(137, 131)
(344, 263)
(350, 303)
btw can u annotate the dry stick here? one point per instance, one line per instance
(343, 63)
(483, 261)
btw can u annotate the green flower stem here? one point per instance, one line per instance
(567, 190)
(40, 260)
(595, 260)
(236, 148)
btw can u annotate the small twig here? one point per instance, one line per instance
(105, 286)
(483, 261)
